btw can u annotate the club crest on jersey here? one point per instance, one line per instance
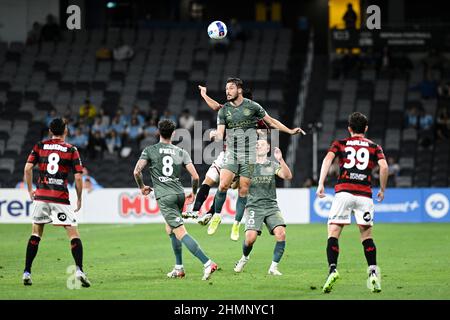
(246, 112)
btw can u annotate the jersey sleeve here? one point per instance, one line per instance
(186, 158)
(221, 116)
(77, 166)
(379, 154)
(259, 111)
(335, 147)
(34, 155)
(276, 167)
(145, 155)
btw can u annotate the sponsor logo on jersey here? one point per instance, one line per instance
(358, 176)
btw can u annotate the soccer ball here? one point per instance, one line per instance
(217, 30)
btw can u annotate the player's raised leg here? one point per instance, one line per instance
(334, 231)
(193, 246)
(77, 253)
(32, 249)
(201, 197)
(280, 236)
(370, 252)
(247, 246)
(226, 178)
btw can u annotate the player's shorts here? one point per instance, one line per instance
(256, 217)
(56, 213)
(238, 167)
(214, 170)
(171, 207)
(344, 204)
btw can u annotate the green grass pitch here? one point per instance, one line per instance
(131, 262)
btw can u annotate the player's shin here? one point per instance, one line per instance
(194, 248)
(332, 252)
(201, 196)
(240, 208)
(246, 248)
(77, 252)
(177, 250)
(32, 249)
(219, 200)
(370, 251)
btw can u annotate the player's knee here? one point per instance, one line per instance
(223, 187)
(250, 238)
(280, 233)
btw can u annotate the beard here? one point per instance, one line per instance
(232, 98)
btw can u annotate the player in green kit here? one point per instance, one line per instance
(239, 116)
(262, 207)
(165, 162)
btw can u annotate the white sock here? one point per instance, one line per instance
(207, 263)
(273, 265)
(244, 257)
(179, 266)
(373, 268)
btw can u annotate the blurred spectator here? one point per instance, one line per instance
(196, 10)
(99, 127)
(443, 124)
(80, 140)
(87, 185)
(34, 34)
(136, 113)
(444, 90)
(117, 126)
(48, 118)
(411, 117)
(394, 170)
(154, 115)
(124, 119)
(427, 87)
(384, 61)
(50, 31)
(151, 130)
(91, 180)
(350, 18)
(425, 120)
(186, 120)
(134, 133)
(88, 111)
(168, 115)
(113, 142)
(105, 118)
(96, 146)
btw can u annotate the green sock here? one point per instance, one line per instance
(219, 200)
(278, 251)
(194, 248)
(240, 208)
(177, 249)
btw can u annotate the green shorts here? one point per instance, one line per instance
(239, 167)
(255, 217)
(171, 207)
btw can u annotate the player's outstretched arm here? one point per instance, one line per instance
(213, 104)
(28, 173)
(284, 172)
(79, 188)
(140, 165)
(326, 164)
(195, 182)
(276, 124)
(384, 174)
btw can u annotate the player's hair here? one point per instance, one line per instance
(57, 126)
(238, 82)
(358, 122)
(248, 94)
(166, 128)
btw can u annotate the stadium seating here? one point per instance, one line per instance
(164, 73)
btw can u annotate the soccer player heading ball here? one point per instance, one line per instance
(357, 157)
(55, 159)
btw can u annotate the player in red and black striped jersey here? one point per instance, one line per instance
(55, 159)
(357, 157)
